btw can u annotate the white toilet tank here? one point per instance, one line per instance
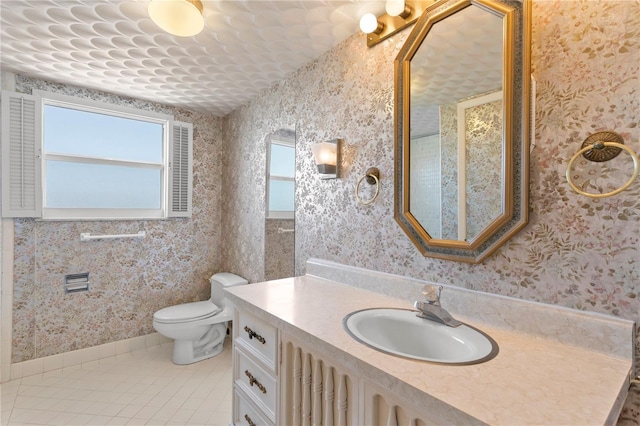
(221, 280)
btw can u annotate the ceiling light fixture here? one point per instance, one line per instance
(400, 14)
(181, 18)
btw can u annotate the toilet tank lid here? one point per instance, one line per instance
(228, 279)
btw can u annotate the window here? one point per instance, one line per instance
(281, 170)
(82, 159)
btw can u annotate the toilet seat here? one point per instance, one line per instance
(186, 312)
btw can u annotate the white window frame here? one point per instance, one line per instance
(176, 167)
(278, 214)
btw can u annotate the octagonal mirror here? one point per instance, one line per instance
(462, 128)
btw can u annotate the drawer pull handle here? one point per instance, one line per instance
(253, 334)
(248, 419)
(253, 381)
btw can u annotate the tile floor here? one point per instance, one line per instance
(137, 388)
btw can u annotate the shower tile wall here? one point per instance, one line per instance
(130, 279)
(449, 159)
(483, 190)
(426, 188)
(575, 252)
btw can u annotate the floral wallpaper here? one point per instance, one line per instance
(279, 257)
(577, 252)
(130, 279)
(484, 161)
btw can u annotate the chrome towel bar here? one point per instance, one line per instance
(85, 236)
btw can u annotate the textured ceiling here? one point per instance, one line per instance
(461, 57)
(113, 45)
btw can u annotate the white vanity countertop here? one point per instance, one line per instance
(532, 380)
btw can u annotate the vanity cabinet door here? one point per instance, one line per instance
(382, 408)
(315, 389)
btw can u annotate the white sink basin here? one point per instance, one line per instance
(400, 332)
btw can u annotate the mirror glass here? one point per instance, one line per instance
(279, 239)
(456, 184)
(460, 128)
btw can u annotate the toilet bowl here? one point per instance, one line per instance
(199, 328)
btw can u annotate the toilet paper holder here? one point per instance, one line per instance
(74, 283)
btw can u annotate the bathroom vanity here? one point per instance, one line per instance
(293, 362)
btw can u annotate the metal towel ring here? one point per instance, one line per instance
(599, 146)
(373, 178)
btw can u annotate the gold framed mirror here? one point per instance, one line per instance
(462, 82)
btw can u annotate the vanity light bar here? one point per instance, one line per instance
(393, 24)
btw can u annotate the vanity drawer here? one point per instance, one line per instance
(258, 338)
(259, 385)
(244, 413)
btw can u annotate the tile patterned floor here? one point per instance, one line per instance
(137, 388)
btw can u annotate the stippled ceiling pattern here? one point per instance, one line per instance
(459, 58)
(114, 46)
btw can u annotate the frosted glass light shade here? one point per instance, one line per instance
(326, 157)
(369, 23)
(182, 18)
(394, 7)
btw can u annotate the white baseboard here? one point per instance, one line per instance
(86, 355)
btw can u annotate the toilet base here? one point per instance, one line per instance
(183, 353)
(211, 344)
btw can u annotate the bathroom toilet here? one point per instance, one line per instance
(199, 328)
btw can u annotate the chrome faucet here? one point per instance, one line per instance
(431, 309)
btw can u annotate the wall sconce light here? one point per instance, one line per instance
(181, 18)
(400, 14)
(327, 156)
